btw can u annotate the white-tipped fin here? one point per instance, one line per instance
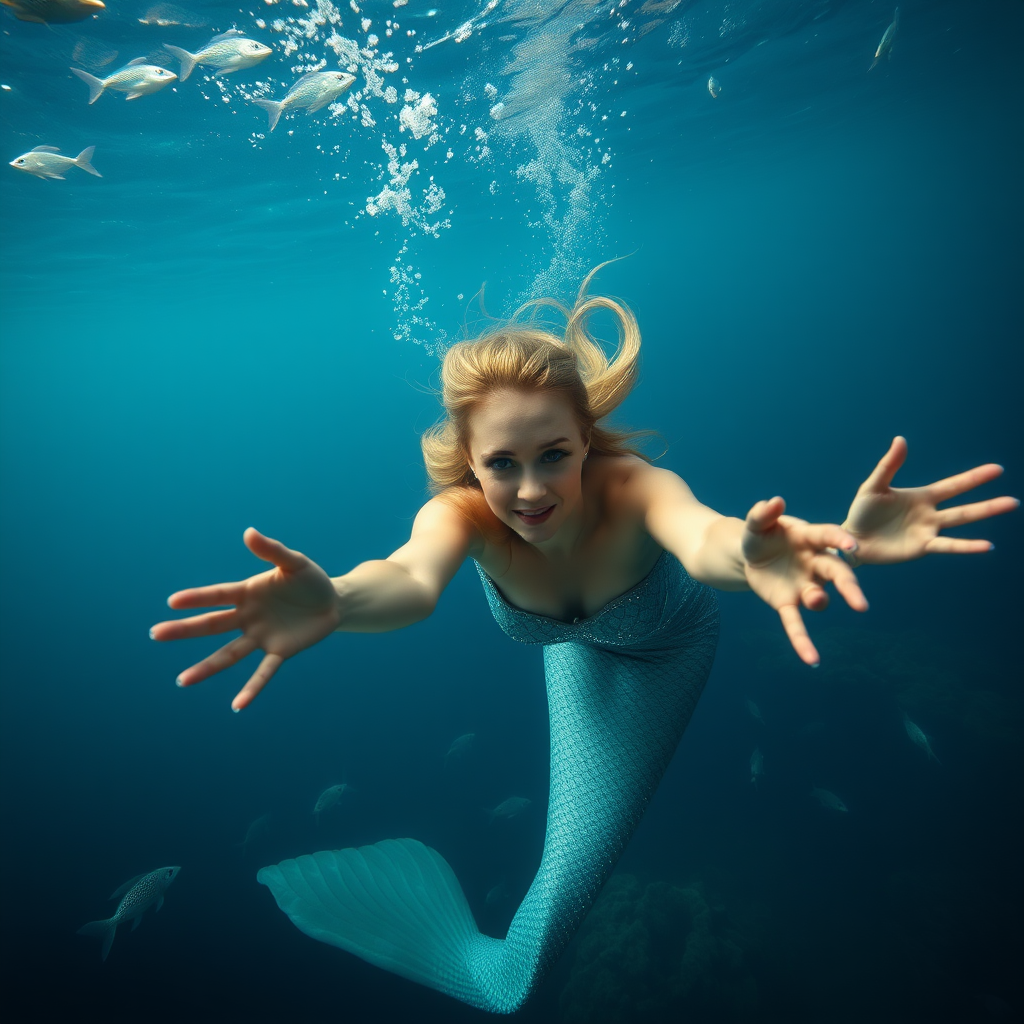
(45, 149)
(273, 109)
(188, 60)
(84, 160)
(96, 85)
(104, 930)
(396, 904)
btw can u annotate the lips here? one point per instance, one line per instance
(534, 516)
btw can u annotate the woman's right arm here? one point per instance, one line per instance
(295, 604)
(378, 596)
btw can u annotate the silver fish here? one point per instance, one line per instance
(137, 78)
(499, 894)
(510, 808)
(461, 746)
(228, 52)
(329, 798)
(169, 14)
(918, 738)
(754, 711)
(714, 87)
(312, 91)
(256, 829)
(139, 894)
(829, 800)
(756, 766)
(885, 46)
(44, 162)
(53, 12)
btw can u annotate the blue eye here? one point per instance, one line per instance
(496, 463)
(556, 455)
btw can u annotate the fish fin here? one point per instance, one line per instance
(57, 177)
(274, 109)
(137, 921)
(96, 85)
(45, 149)
(159, 904)
(104, 930)
(134, 94)
(319, 105)
(396, 904)
(84, 159)
(137, 61)
(231, 32)
(188, 60)
(121, 890)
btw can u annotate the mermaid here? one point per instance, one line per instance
(609, 563)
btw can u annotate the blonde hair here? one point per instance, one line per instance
(524, 357)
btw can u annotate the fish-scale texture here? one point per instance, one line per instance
(622, 686)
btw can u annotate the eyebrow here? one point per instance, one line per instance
(504, 452)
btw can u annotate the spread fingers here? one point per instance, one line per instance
(962, 514)
(268, 666)
(797, 633)
(221, 659)
(198, 625)
(834, 570)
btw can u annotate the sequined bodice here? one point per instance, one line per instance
(646, 615)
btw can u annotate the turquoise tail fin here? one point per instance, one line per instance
(396, 904)
(104, 930)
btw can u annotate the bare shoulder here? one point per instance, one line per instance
(629, 485)
(441, 539)
(450, 523)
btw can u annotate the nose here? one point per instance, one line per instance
(531, 489)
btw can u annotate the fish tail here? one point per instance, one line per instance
(188, 60)
(273, 109)
(84, 160)
(101, 930)
(96, 85)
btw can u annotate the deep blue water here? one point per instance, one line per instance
(217, 334)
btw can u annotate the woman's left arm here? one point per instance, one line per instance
(786, 561)
(898, 524)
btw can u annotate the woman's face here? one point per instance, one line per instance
(526, 450)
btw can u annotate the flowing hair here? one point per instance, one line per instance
(521, 356)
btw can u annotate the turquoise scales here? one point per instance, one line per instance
(622, 686)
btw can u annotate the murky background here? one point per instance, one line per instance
(239, 327)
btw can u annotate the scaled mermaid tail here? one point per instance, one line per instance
(622, 686)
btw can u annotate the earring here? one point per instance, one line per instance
(585, 454)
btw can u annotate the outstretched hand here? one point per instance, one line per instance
(894, 524)
(788, 563)
(281, 611)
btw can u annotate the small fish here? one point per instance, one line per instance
(510, 808)
(499, 894)
(169, 14)
(53, 12)
(139, 894)
(256, 829)
(312, 91)
(44, 162)
(230, 51)
(885, 46)
(754, 711)
(714, 87)
(918, 737)
(137, 78)
(756, 766)
(829, 800)
(329, 798)
(461, 746)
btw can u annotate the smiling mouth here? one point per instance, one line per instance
(534, 515)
